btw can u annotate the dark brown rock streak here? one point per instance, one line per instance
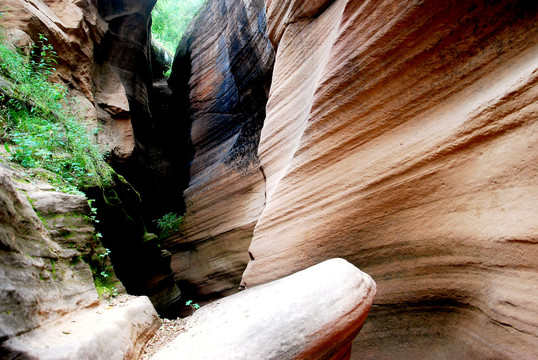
(224, 65)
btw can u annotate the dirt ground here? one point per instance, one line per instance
(167, 332)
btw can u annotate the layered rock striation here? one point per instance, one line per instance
(401, 137)
(223, 68)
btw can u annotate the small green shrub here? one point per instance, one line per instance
(105, 287)
(168, 224)
(193, 305)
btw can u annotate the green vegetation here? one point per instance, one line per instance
(168, 224)
(39, 127)
(104, 278)
(53, 264)
(105, 287)
(170, 20)
(194, 306)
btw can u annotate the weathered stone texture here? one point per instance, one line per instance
(49, 306)
(229, 58)
(40, 280)
(313, 314)
(401, 136)
(116, 330)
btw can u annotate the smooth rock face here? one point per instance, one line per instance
(111, 331)
(313, 314)
(401, 136)
(229, 57)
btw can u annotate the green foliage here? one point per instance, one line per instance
(194, 306)
(38, 119)
(168, 224)
(106, 288)
(170, 20)
(104, 278)
(53, 264)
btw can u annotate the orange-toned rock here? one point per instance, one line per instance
(402, 136)
(281, 13)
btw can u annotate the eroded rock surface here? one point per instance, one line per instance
(40, 280)
(49, 303)
(402, 136)
(313, 314)
(229, 59)
(115, 330)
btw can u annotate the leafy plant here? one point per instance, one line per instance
(170, 20)
(104, 277)
(194, 306)
(105, 287)
(168, 224)
(105, 254)
(39, 119)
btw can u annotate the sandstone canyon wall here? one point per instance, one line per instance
(400, 136)
(225, 65)
(75, 30)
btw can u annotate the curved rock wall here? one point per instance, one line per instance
(401, 136)
(229, 57)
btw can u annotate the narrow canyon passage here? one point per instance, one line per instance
(397, 135)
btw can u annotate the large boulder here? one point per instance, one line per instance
(313, 314)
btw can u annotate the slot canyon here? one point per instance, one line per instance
(301, 141)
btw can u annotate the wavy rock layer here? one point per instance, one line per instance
(230, 58)
(401, 136)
